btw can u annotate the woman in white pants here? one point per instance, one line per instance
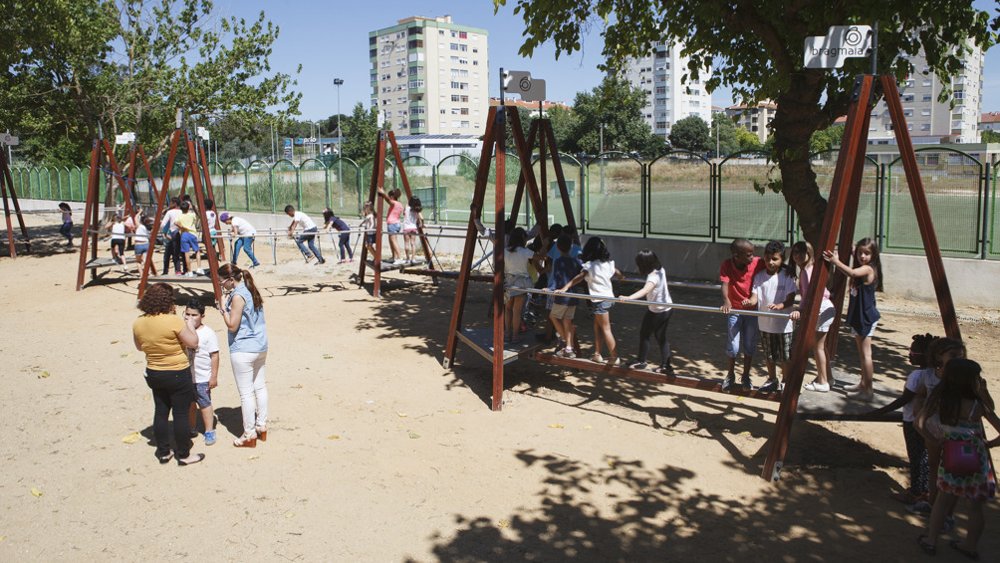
(243, 314)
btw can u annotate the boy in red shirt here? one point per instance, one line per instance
(736, 275)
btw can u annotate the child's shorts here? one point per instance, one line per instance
(777, 346)
(563, 311)
(602, 307)
(119, 244)
(370, 237)
(410, 231)
(141, 249)
(189, 243)
(202, 395)
(519, 281)
(393, 228)
(870, 331)
(826, 315)
(742, 334)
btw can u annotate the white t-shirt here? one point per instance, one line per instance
(409, 219)
(660, 292)
(243, 227)
(598, 276)
(913, 383)
(368, 222)
(303, 220)
(118, 231)
(141, 235)
(928, 380)
(210, 215)
(516, 262)
(201, 357)
(169, 219)
(771, 289)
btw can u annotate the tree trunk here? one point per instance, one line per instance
(796, 118)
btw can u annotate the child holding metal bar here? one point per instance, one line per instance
(118, 240)
(516, 260)
(598, 270)
(862, 312)
(564, 268)
(804, 257)
(657, 318)
(774, 290)
(308, 235)
(392, 220)
(368, 227)
(736, 274)
(413, 220)
(331, 221)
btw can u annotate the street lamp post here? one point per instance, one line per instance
(340, 143)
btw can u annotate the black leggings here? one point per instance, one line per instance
(654, 325)
(172, 391)
(172, 249)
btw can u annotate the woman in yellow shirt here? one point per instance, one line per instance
(162, 336)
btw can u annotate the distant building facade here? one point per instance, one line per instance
(990, 121)
(928, 120)
(667, 98)
(430, 76)
(755, 119)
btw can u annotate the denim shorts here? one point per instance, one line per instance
(141, 249)
(602, 307)
(202, 395)
(742, 334)
(393, 228)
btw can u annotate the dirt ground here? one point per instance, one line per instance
(376, 453)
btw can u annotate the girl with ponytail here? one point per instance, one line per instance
(243, 313)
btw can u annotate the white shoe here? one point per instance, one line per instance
(816, 386)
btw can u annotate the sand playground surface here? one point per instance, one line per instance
(376, 453)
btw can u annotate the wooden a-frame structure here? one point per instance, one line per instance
(377, 184)
(841, 215)
(196, 166)
(7, 189)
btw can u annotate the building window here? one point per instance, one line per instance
(463, 35)
(925, 127)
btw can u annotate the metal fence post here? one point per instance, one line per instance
(270, 185)
(434, 192)
(298, 186)
(581, 223)
(881, 184)
(644, 197)
(326, 184)
(986, 223)
(246, 186)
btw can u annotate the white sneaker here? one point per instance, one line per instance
(816, 386)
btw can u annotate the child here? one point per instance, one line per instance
(212, 220)
(916, 451)
(736, 275)
(204, 368)
(774, 290)
(141, 240)
(413, 220)
(367, 226)
(244, 233)
(657, 317)
(309, 230)
(516, 259)
(66, 229)
(804, 257)
(118, 240)
(862, 315)
(189, 247)
(564, 269)
(331, 221)
(953, 417)
(392, 224)
(598, 269)
(172, 237)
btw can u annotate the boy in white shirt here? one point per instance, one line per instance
(309, 230)
(204, 369)
(774, 290)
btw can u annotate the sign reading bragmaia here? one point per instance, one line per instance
(840, 43)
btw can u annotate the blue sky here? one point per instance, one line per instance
(330, 39)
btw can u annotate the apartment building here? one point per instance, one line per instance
(430, 76)
(667, 98)
(927, 119)
(755, 119)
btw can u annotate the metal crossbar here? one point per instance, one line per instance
(678, 306)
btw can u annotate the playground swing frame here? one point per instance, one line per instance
(7, 189)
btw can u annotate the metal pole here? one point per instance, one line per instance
(340, 144)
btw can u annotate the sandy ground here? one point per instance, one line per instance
(376, 453)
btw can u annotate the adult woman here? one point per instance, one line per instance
(162, 336)
(243, 314)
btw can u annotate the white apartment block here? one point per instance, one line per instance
(667, 98)
(927, 119)
(755, 119)
(430, 76)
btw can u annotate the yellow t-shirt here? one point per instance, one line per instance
(158, 337)
(186, 222)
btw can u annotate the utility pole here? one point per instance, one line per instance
(340, 143)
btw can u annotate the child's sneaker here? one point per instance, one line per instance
(728, 382)
(745, 382)
(770, 386)
(209, 437)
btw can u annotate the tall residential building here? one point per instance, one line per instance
(667, 99)
(928, 119)
(430, 76)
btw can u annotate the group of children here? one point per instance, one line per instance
(408, 221)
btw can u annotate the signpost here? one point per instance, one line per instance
(840, 43)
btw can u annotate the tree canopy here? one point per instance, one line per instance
(360, 131)
(690, 133)
(756, 48)
(74, 66)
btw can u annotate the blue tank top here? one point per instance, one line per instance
(861, 311)
(251, 336)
